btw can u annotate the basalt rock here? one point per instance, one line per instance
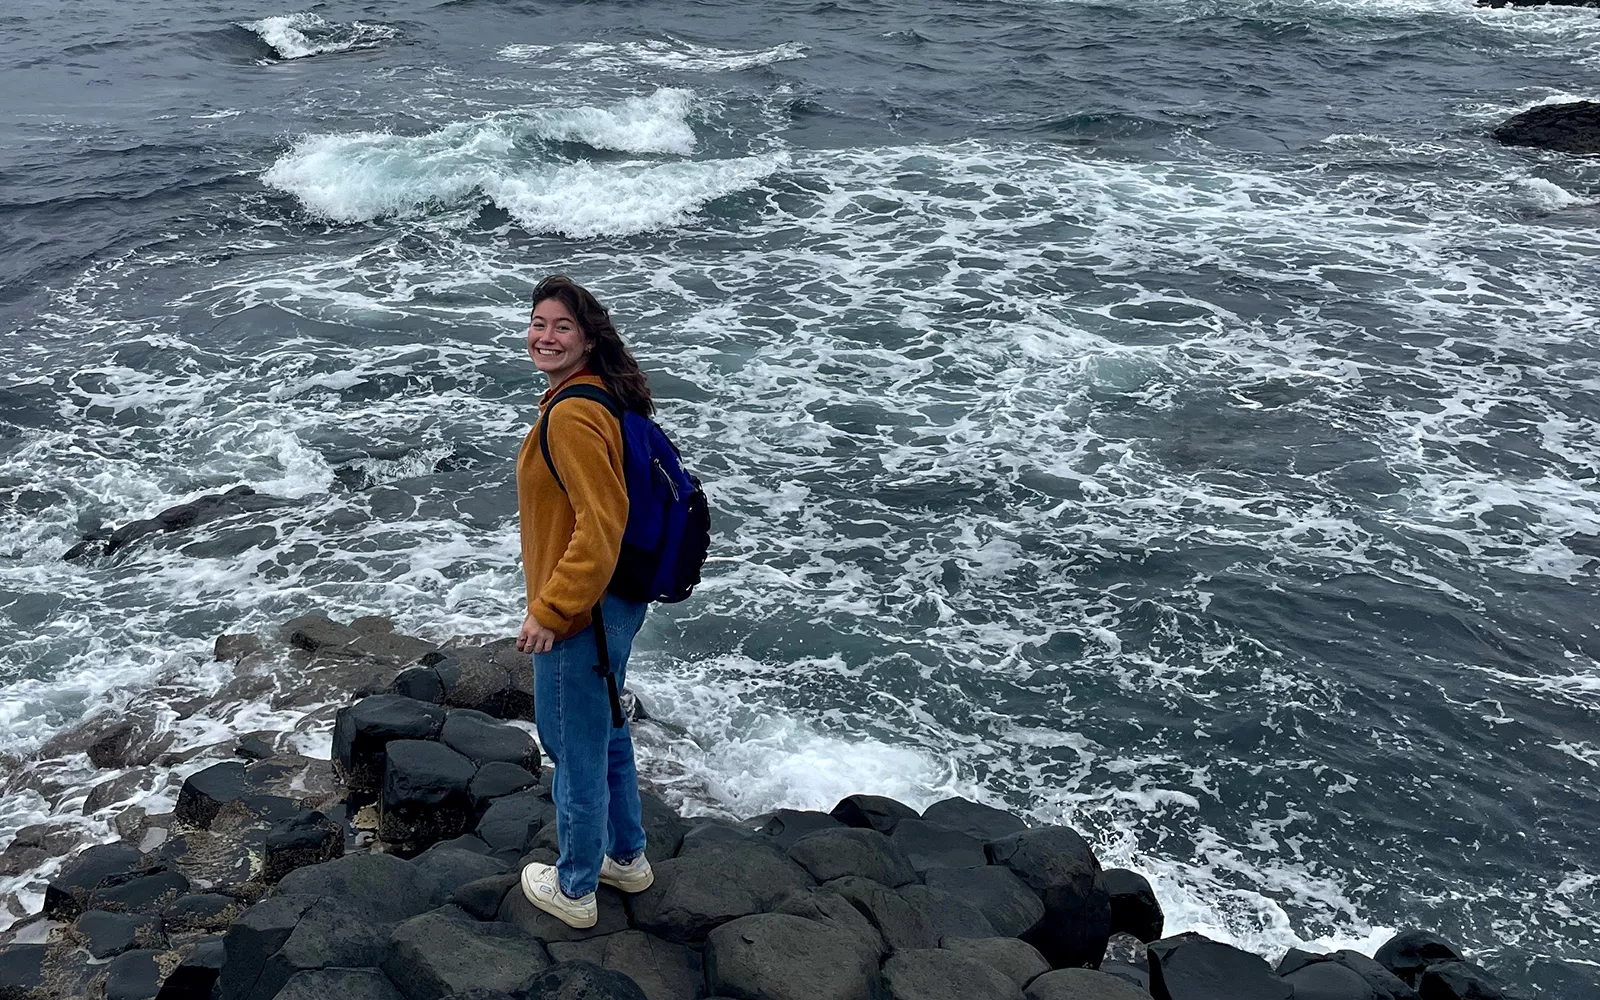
(785, 826)
(1058, 865)
(947, 915)
(452, 867)
(612, 917)
(331, 933)
(694, 893)
(133, 975)
(775, 956)
(496, 780)
(446, 950)
(583, 981)
(194, 977)
(996, 892)
(1323, 976)
(509, 824)
(363, 731)
(66, 894)
(1134, 907)
(207, 911)
(146, 891)
(831, 854)
(345, 984)
(981, 822)
(1573, 127)
(831, 909)
(21, 970)
(934, 974)
(309, 838)
(901, 924)
(663, 828)
(929, 845)
(1018, 960)
(1084, 984)
(235, 793)
(258, 934)
(1458, 981)
(381, 884)
(494, 679)
(425, 793)
(481, 740)
(662, 969)
(1409, 952)
(873, 812)
(1194, 967)
(107, 934)
(482, 897)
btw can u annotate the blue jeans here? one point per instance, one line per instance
(596, 786)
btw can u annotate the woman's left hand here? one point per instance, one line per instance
(534, 638)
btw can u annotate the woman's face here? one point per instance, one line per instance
(555, 340)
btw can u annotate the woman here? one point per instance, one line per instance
(571, 537)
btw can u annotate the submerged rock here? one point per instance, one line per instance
(1566, 128)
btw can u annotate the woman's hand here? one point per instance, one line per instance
(534, 638)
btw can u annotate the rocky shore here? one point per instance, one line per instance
(390, 873)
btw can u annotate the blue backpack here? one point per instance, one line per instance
(669, 522)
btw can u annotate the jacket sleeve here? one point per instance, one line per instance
(586, 448)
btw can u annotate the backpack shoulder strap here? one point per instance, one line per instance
(592, 393)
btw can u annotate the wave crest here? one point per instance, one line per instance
(295, 36)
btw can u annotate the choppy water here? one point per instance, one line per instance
(1177, 419)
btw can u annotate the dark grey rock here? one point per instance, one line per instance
(583, 981)
(482, 897)
(1018, 960)
(1134, 975)
(929, 845)
(382, 884)
(662, 969)
(257, 935)
(948, 915)
(150, 891)
(421, 683)
(331, 933)
(1410, 951)
(446, 951)
(235, 647)
(1194, 967)
(776, 956)
(194, 977)
(480, 994)
(901, 924)
(309, 838)
(363, 731)
(133, 975)
(243, 791)
(1303, 970)
(663, 828)
(1458, 980)
(107, 934)
(227, 862)
(872, 812)
(831, 854)
(496, 780)
(453, 868)
(206, 911)
(339, 984)
(111, 745)
(981, 822)
(1328, 981)
(1084, 984)
(703, 832)
(1058, 865)
(1134, 907)
(510, 823)
(466, 842)
(696, 892)
(66, 894)
(830, 909)
(785, 826)
(481, 739)
(611, 918)
(425, 797)
(495, 680)
(936, 974)
(1573, 127)
(315, 632)
(1005, 900)
(21, 970)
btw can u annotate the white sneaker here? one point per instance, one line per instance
(635, 876)
(543, 889)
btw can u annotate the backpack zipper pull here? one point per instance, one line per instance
(663, 473)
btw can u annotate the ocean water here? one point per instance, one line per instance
(1171, 418)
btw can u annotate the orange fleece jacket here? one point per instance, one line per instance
(570, 540)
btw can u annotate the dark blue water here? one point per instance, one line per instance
(1173, 419)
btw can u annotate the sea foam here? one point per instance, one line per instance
(296, 36)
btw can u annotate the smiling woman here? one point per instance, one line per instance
(573, 504)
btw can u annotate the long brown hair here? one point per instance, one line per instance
(609, 357)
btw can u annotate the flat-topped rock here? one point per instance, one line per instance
(981, 822)
(1018, 960)
(382, 884)
(446, 950)
(834, 853)
(1082, 984)
(426, 796)
(481, 739)
(776, 956)
(363, 731)
(696, 892)
(661, 969)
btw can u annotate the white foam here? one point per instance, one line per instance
(654, 124)
(669, 53)
(296, 36)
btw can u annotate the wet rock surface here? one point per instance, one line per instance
(279, 877)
